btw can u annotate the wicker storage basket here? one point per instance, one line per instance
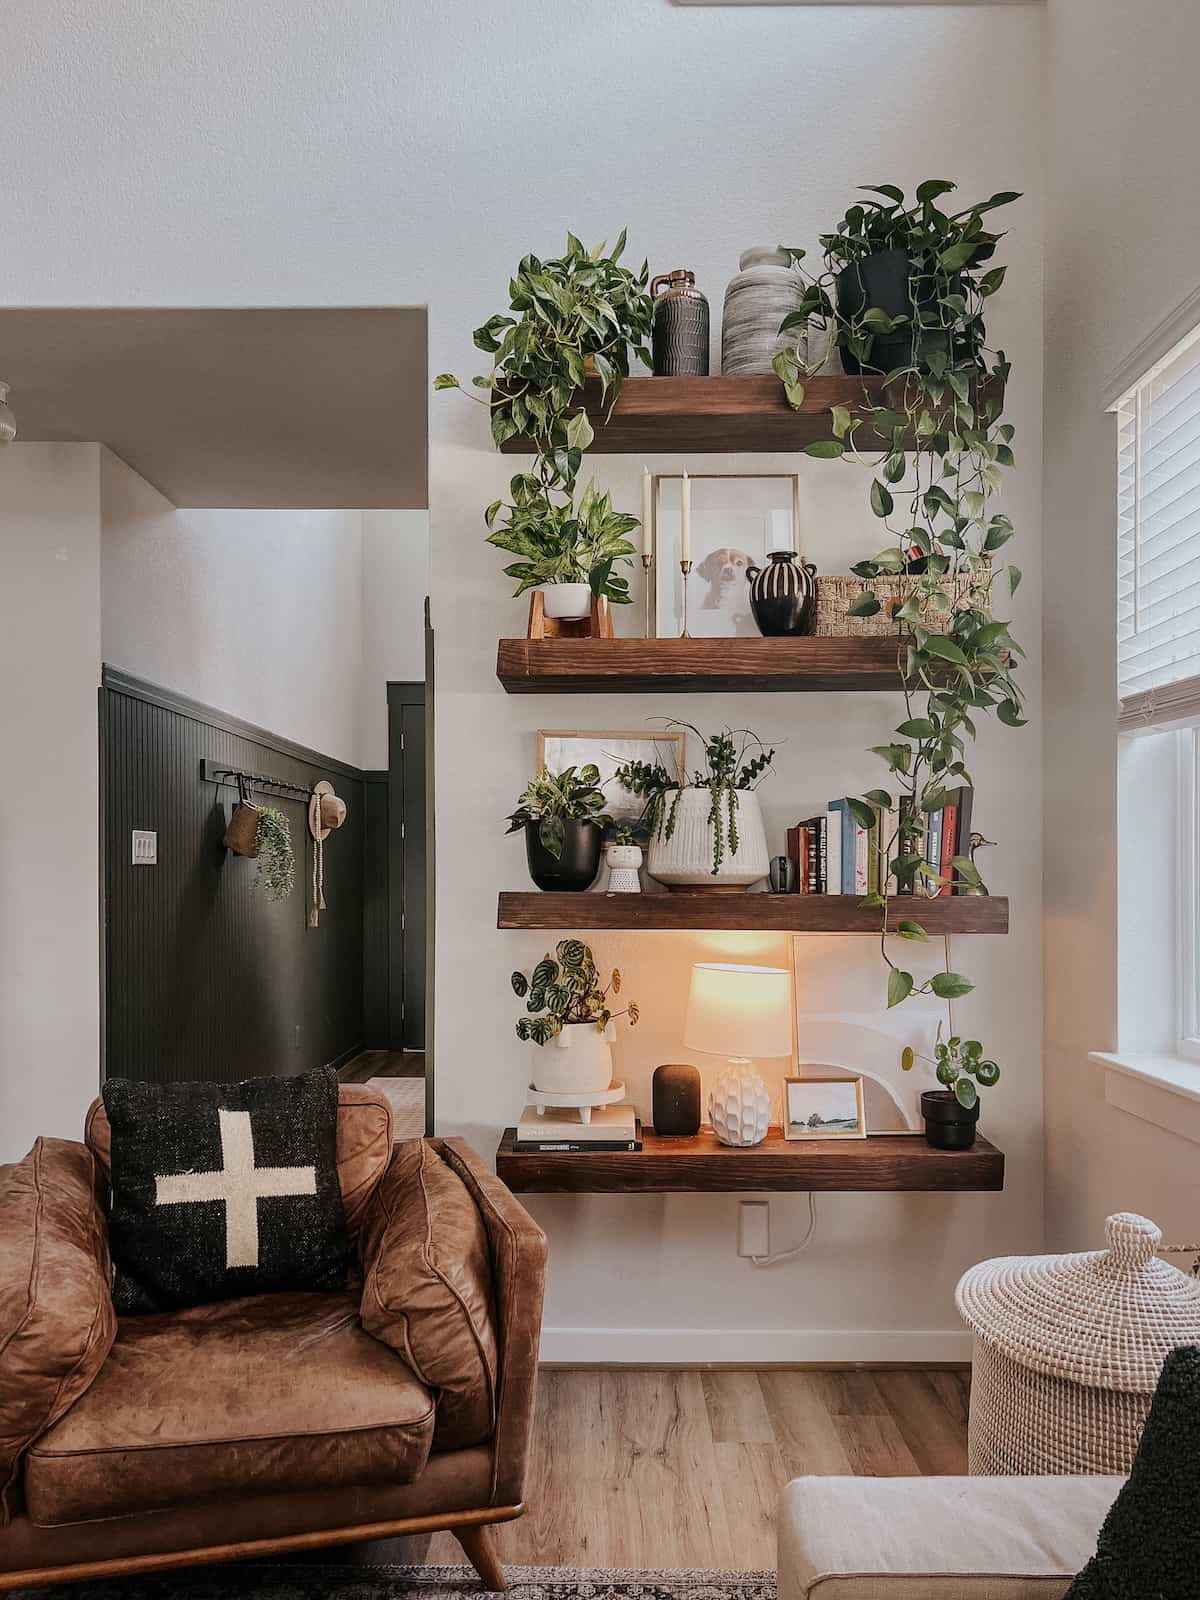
(1068, 1350)
(835, 595)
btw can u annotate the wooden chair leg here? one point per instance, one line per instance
(477, 1546)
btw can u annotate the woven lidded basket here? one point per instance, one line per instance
(836, 594)
(1068, 1350)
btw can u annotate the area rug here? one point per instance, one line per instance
(305, 1582)
(407, 1099)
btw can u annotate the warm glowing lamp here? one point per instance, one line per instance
(740, 1013)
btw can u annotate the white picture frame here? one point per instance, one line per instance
(823, 1107)
(609, 749)
(737, 519)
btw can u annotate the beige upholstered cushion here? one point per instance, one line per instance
(938, 1538)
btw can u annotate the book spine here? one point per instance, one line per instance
(820, 833)
(862, 842)
(890, 847)
(543, 1147)
(806, 856)
(962, 842)
(949, 835)
(835, 822)
(793, 851)
(873, 855)
(933, 848)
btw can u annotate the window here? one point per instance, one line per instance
(1158, 633)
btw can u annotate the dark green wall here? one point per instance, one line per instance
(205, 978)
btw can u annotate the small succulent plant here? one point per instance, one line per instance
(565, 988)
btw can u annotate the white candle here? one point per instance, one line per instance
(647, 512)
(685, 518)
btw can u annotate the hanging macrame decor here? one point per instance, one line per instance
(325, 813)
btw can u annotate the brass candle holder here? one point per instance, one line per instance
(647, 564)
(685, 567)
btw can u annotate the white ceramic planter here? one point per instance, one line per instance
(623, 861)
(576, 1061)
(567, 602)
(684, 861)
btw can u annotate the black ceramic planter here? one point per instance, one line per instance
(882, 280)
(948, 1125)
(579, 863)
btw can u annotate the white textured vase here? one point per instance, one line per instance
(576, 1061)
(623, 861)
(567, 602)
(739, 1106)
(684, 861)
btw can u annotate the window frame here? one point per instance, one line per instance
(1187, 906)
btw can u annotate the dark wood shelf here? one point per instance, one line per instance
(697, 666)
(886, 1162)
(706, 415)
(758, 913)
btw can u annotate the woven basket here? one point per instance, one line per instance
(835, 595)
(1068, 1350)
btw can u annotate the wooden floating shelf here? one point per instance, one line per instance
(749, 913)
(707, 415)
(697, 666)
(701, 1165)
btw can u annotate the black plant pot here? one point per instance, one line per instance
(948, 1125)
(882, 280)
(579, 863)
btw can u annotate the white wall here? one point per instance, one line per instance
(395, 581)
(470, 135)
(258, 613)
(49, 841)
(1121, 253)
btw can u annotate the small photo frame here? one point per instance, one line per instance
(737, 519)
(823, 1107)
(574, 747)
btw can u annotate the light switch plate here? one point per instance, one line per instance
(145, 848)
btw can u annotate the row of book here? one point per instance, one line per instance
(834, 854)
(556, 1129)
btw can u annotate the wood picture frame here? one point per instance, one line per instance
(816, 1122)
(609, 748)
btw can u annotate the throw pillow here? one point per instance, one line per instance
(220, 1190)
(1149, 1546)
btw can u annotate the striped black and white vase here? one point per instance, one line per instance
(783, 594)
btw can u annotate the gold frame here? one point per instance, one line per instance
(825, 1077)
(658, 478)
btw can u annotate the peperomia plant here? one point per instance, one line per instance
(558, 544)
(554, 798)
(582, 309)
(960, 1065)
(944, 448)
(567, 990)
(735, 760)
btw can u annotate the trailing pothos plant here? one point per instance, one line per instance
(567, 990)
(581, 310)
(557, 543)
(945, 447)
(735, 760)
(555, 798)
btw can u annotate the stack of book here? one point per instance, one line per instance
(608, 1128)
(835, 854)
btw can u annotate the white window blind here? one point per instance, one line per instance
(1158, 542)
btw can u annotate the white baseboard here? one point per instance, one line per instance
(631, 1347)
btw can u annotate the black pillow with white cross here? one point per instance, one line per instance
(224, 1189)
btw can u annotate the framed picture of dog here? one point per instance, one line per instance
(737, 519)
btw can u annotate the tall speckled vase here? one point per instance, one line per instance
(679, 337)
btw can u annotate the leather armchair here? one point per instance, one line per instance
(280, 1422)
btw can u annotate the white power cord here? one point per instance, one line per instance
(786, 1255)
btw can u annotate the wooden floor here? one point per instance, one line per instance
(383, 1064)
(651, 1468)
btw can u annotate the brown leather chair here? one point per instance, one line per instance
(281, 1422)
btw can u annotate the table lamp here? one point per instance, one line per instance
(740, 1013)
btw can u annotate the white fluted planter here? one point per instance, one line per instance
(684, 861)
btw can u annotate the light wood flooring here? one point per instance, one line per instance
(681, 1468)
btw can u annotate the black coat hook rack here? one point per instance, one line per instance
(217, 772)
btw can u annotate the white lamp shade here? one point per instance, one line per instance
(739, 1011)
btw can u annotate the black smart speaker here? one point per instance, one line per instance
(676, 1095)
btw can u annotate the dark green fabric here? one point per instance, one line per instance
(1149, 1546)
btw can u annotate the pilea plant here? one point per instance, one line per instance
(581, 310)
(941, 401)
(960, 1065)
(557, 543)
(567, 990)
(275, 857)
(553, 798)
(735, 760)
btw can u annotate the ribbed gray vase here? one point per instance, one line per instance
(766, 288)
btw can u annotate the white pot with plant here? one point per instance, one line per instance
(571, 1020)
(623, 858)
(706, 832)
(569, 554)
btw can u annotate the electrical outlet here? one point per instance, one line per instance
(145, 848)
(754, 1228)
